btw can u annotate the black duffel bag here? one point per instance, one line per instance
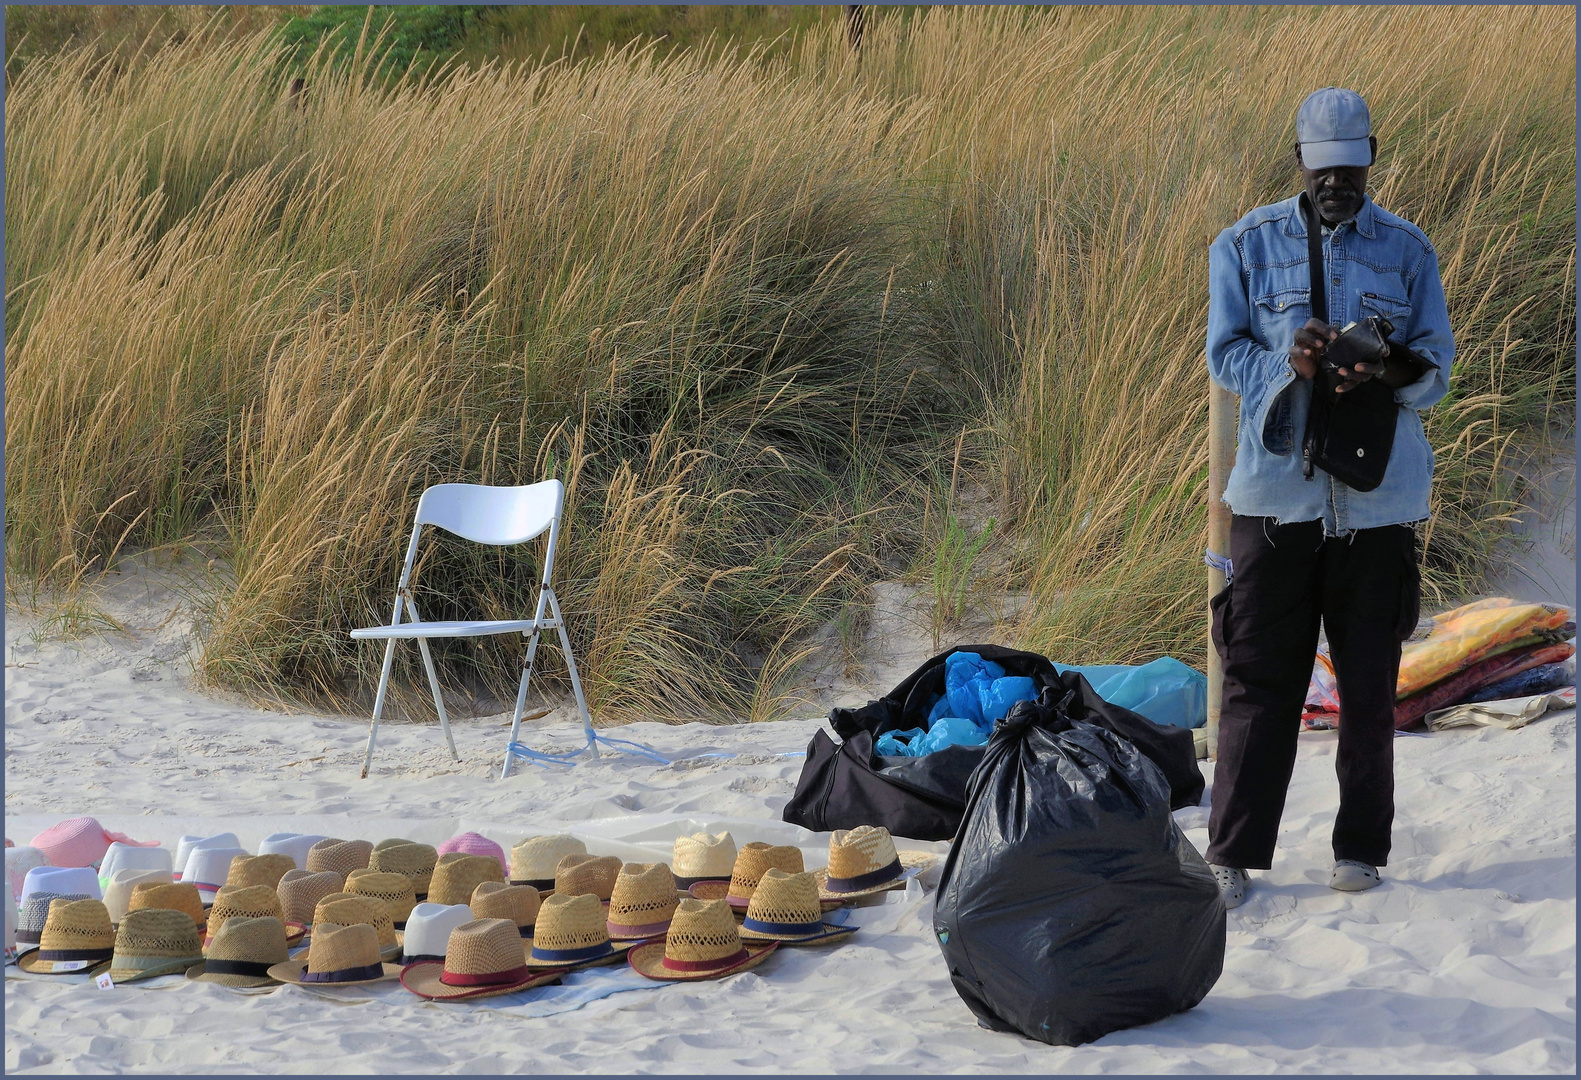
(846, 784)
(1071, 904)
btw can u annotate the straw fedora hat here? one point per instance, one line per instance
(339, 956)
(497, 900)
(416, 861)
(61, 880)
(118, 893)
(132, 857)
(457, 875)
(208, 868)
(34, 913)
(643, 900)
(242, 953)
(300, 891)
(296, 845)
(267, 870)
(484, 960)
(471, 843)
(77, 935)
(785, 908)
(253, 902)
(702, 943)
(572, 933)
(341, 856)
(347, 909)
(703, 857)
(863, 861)
(394, 889)
(534, 859)
(188, 844)
(578, 874)
(428, 931)
(175, 896)
(154, 941)
(752, 861)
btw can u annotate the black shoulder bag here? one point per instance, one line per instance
(1351, 435)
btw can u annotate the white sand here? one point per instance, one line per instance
(1463, 961)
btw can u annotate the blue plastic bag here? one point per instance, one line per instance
(1165, 690)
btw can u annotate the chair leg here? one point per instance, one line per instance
(576, 680)
(521, 702)
(378, 704)
(439, 701)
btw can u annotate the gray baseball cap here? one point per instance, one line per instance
(1333, 127)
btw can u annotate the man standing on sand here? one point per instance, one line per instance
(1304, 550)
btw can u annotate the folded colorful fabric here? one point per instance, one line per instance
(1470, 634)
(1536, 680)
(1455, 689)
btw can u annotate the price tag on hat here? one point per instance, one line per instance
(104, 982)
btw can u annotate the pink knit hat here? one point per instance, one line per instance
(80, 842)
(470, 843)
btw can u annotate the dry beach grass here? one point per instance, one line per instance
(767, 317)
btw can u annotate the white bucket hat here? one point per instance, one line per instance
(118, 893)
(428, 930)
(188, 844)
(208, 867)
(79, 880)
(293, 844)
(534, 859)
(18, 861)
(130, 857)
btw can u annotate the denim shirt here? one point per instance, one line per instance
(1259, 295)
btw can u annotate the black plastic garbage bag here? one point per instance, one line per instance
(1071, 905)
(845, 784)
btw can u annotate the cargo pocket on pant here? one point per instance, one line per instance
(1410, 587)
(1219, 614)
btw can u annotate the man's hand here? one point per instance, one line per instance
(1307, 351)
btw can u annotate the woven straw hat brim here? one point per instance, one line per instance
(200, 973)
(30, 962)
(423, 979)
(174, 967)
(386, 952)
(648, 959)
(821, 876)
(292, 971)
(831, 934)
(620, 947)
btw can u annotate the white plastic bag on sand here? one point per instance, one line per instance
(1509, 713)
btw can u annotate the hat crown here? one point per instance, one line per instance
(35, 910)
(1333, 114)
(497, 900)
(301, 890)
(254, 900)
(756, 859)
(785, 898)
(341, 948)
(158, 932)
(594, 874)
(429, 926)
(258, 939)
(702, 930)
(644, 894)
(396, 890)
(118, 893)
(341, 856)
(77, 924)
(457, 875)
(702, 853)
(484, 947)
(570, 922)
(176, 896)
(349, 909)
(266, 870)
(537, 857)
(413, 860)
(862, 850)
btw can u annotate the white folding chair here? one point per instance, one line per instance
(485, 515)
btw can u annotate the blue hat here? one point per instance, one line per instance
(1333, 128)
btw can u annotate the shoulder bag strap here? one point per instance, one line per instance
(1317, 411)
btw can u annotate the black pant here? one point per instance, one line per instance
(1365, 587)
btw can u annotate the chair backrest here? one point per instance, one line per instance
(492, 515)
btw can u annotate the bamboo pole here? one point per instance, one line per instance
(1222, 409)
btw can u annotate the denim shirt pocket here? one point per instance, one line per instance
(1278, 314)
(1393, 308)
